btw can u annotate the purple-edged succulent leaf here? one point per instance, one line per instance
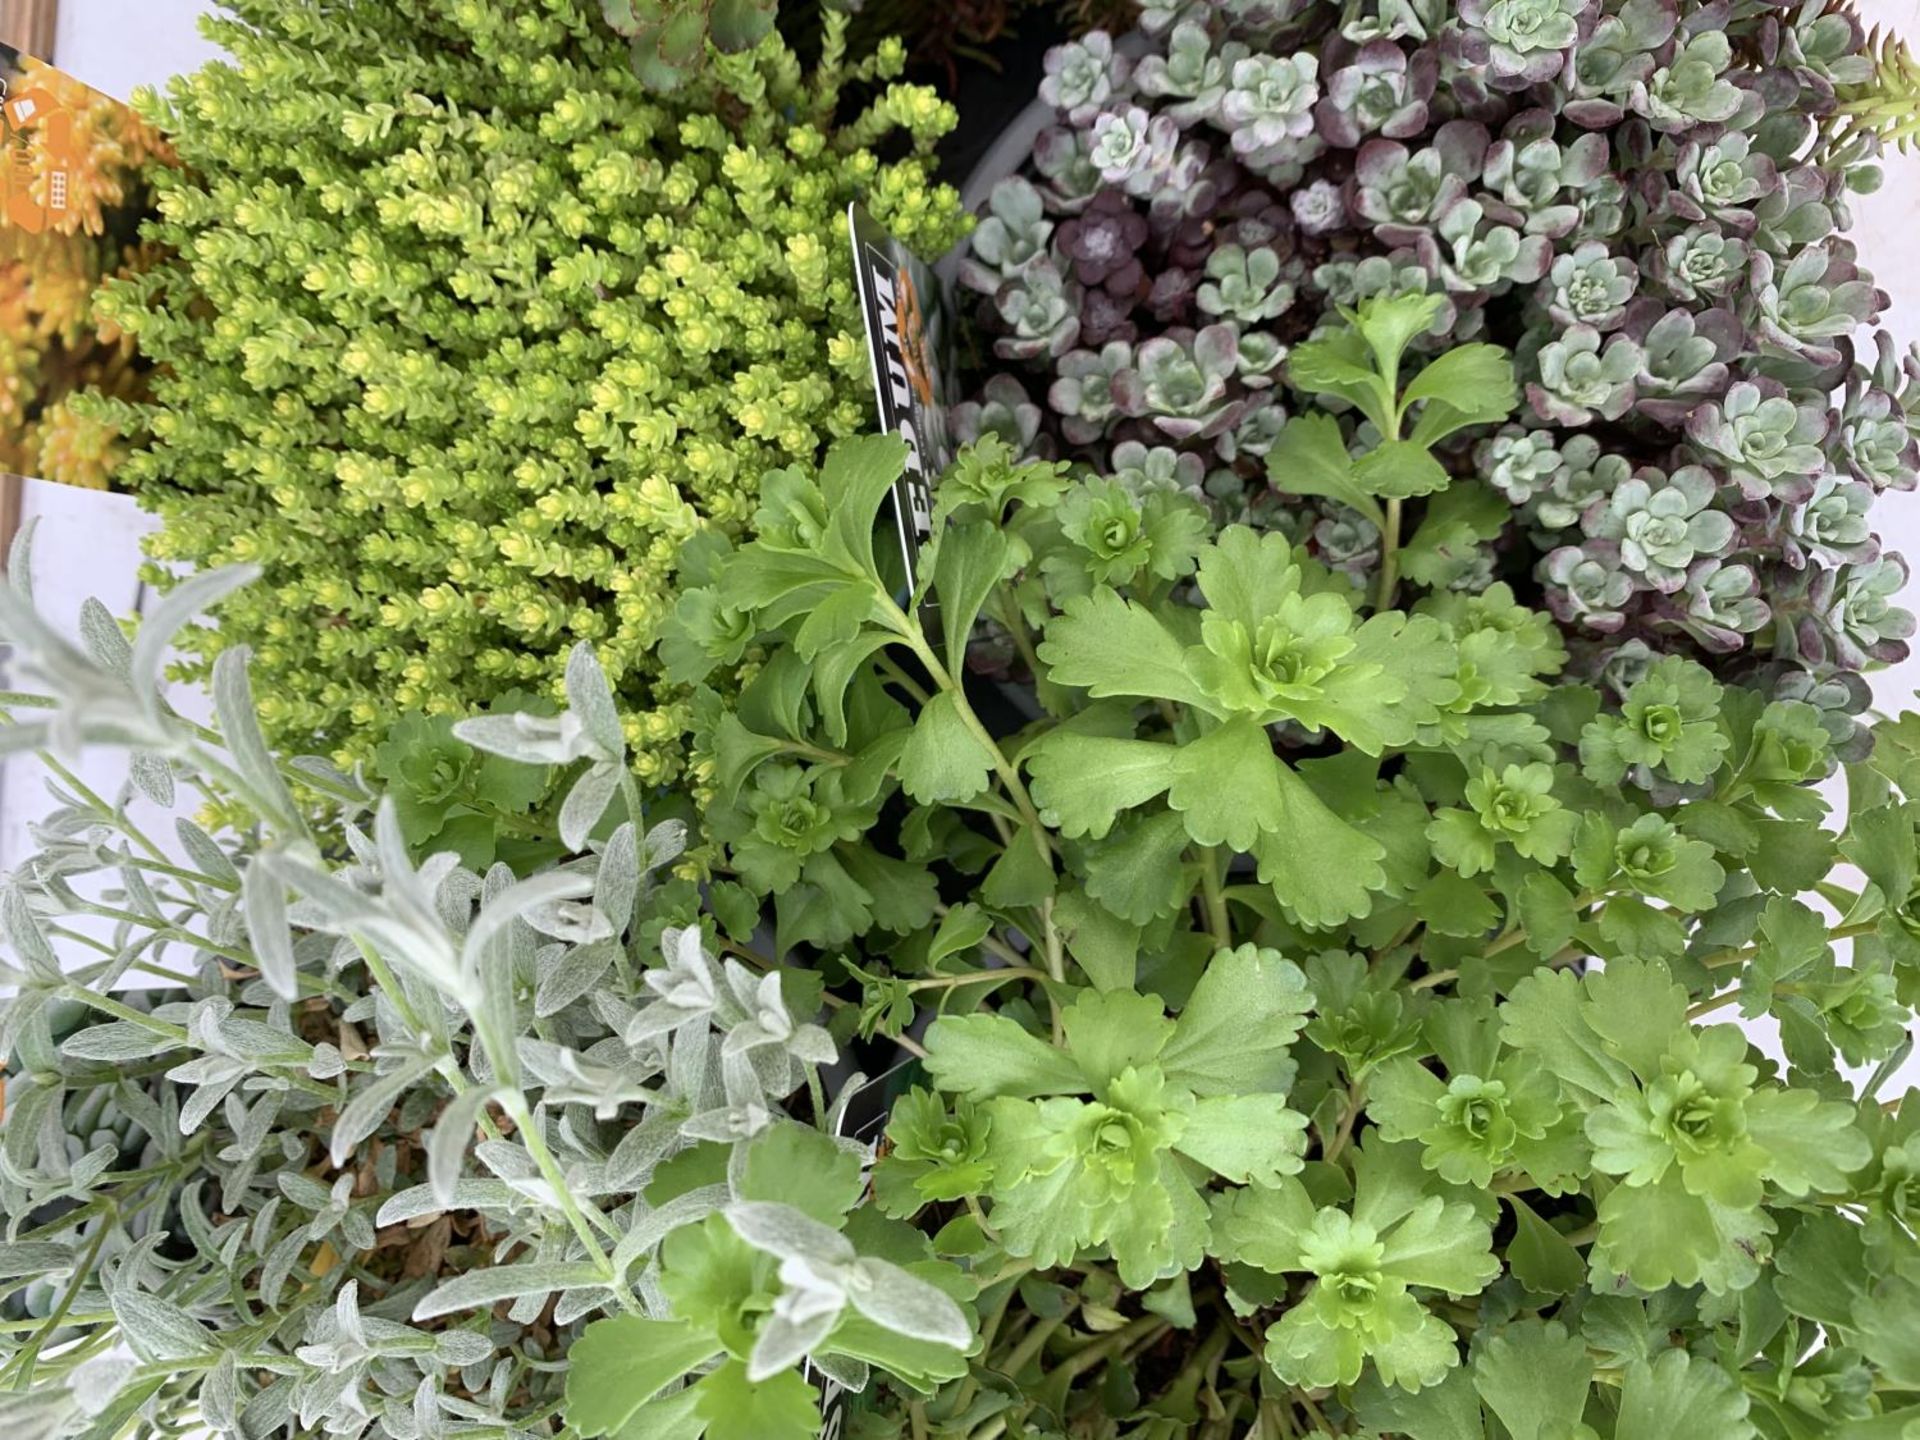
(738, 25)
(1663, 524)
(1832, 524)
(1620, 194)
(1004, 409)
(1692, 88)
(1769, 442)
(1194, 73)
(1040, 316)
(1217, 349)
(1012, 236)
(1084, 76)
(1319, 208)
(1817, 299)
(1063, 158)
(1590, 286)
(1104, 243)
(1722, 605)
(1374, 89)
(1587, 586)
(1270, 100)
(1854, 619)
(1525, 42)
(1873, 431)
(1579, 380)
(1083, 397)
(1702, 262)
(1687, 357)
(1722, 179)
(1536, 179)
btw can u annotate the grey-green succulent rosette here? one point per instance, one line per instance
(1644, 200)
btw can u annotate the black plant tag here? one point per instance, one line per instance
(909, 337)
(835, 1406)
(864, 1116)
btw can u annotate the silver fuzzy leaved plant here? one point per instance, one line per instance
(389, 1135)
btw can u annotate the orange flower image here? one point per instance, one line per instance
(72, 195)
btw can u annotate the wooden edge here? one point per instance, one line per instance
(12, 492)
(28, 25)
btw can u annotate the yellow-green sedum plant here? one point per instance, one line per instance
(1883, 99)
(469, 334)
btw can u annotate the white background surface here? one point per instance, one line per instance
(84, 544)
(1887, 230)
(116, 45)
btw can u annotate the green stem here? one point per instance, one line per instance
(1056, 967)
(1252, 1343)
(1356, 1100)
(77, 938)
(1031, 1345)
(1518, 935)
(192, 877)
(1389, 559)
(909, 630)
(1219, 923)
(819, 754)
(1143, 1331)
(989, 942)
(28, 1327)
(1205, 1357)
(1838, 896)
(500, 1055)
(384, 977)
(979, 977)
(1313, 1412)
(446, 1066)
(160, 925)
(905, 681)
(107, 1005)
(1009, 614)
(818, 1096)
(630, 797)
(516, 1107)
(980, 1219)
(1708, 1006)
(989, 1329)
(100, 807)
(1721, 959)
(21, 1371)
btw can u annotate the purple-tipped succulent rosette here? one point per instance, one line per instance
(1623, 193)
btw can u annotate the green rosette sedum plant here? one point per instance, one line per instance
(468, 334)
(1325, 1023)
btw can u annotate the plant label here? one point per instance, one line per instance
(38, 156)
(909, 338)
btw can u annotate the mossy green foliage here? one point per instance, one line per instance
(469, 334)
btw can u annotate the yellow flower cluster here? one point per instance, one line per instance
(469, 333)
(54, 351)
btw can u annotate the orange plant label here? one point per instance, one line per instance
(38, 154)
